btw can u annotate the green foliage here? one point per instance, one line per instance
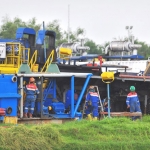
(94, 49)
(33, 24)
(55, 26)
(8, 30)
(144, 50)
(109, 133)
(9, 27)
(35, 137)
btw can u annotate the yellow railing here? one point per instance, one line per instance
(33, 60)
(48, 62)
(16, 55)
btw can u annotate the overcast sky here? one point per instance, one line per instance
(103, 20)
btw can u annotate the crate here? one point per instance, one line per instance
(11, 120)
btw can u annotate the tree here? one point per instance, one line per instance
(8, 28)
(94, 49)
(33, 24)
(144, 50)
(55, 26)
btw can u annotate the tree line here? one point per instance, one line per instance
(8, 30)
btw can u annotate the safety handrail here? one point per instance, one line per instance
(48, 62)
(13, 58)
(33, 60)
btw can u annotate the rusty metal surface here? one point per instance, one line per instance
(42, 120)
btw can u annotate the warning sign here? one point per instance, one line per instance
(2, 50)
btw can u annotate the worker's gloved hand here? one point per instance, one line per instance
(128, 106)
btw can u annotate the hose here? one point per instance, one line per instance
(2, 112)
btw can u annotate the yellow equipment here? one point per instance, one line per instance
(11, 120)
(13, 59)
(95, 118)
(32, 65)
(89, 117)
(107, 77)
(65, 53)
(48, 62)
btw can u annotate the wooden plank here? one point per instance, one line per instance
(147, 70)
(42, 120)
(127, 114)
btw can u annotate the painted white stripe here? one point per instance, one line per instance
(94, 95)
(31, 89)
(132, 96)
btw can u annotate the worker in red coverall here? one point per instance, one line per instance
(132, 102)
(31, 91)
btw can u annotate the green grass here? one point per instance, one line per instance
(107, 134)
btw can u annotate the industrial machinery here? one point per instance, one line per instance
(48, 103)
(14, 54)
(18, 59)
(9, 97)
(128, 67)
(22, 58)
(72, 49)
(45, 43)
(122, 46)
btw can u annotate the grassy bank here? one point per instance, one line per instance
(114, 134)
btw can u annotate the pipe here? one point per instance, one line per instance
(108, 96)
(44, 42)
(145, 104)
(135, 46)
(41, 90)
(82, 92)
(130, 76)
(106, 49)
(83, 48)
(2, 112)
(72, 97)
(21, 100)
(54, 88)
(62, 74)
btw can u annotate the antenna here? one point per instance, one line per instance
(68, 23)
(129, 28)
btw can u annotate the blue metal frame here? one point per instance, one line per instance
(82, 92)
(72, 97)
(21, 31)
(73, 112)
